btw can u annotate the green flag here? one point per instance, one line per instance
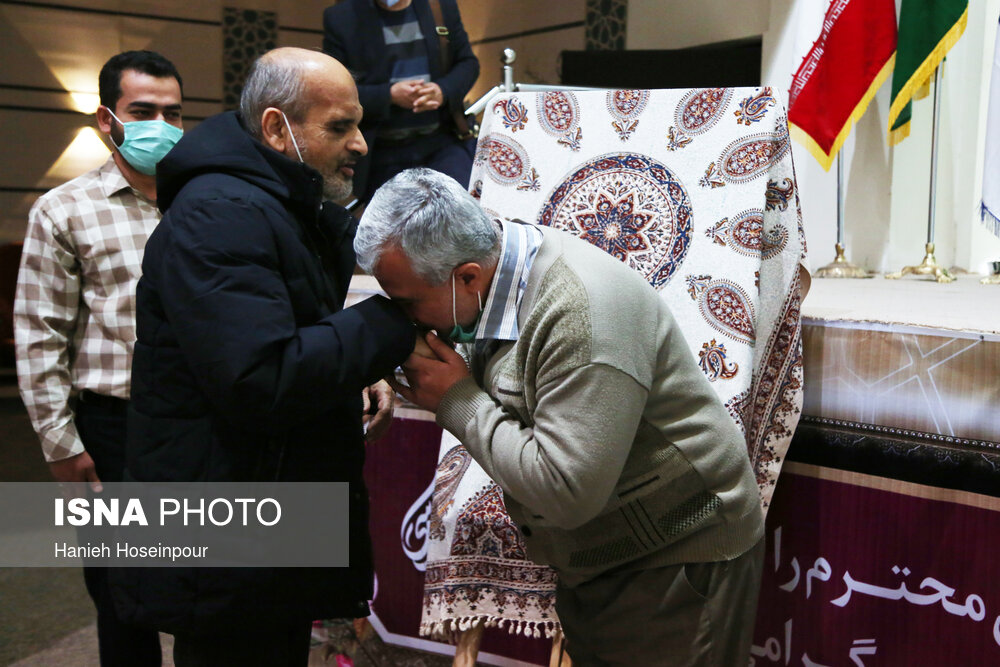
(927, 30)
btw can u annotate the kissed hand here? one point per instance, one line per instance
(430, 377)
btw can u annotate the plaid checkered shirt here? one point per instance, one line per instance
(74, 313)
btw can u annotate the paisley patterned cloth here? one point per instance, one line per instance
(695, 190)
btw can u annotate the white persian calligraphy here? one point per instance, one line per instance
(820, 570)
(789, 585)
(974, 607)
(861, 647)
(772, 647)
(413, 531)
(774, 651)
(929, 592)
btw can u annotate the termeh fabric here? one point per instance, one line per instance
(247, 368)
(695, 190)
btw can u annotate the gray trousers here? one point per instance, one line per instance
(698, 614)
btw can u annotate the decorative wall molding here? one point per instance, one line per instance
(606, 25)
(246, 34)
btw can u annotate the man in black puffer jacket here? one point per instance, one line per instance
(247, 367)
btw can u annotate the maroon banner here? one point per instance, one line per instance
(399, 472)
(867, 571)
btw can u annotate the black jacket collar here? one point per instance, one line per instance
(221, 144)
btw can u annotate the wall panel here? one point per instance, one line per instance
(53, 51)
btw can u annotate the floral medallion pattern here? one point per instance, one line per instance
(450, 470)
(754, 107)
(513, 114)
(505, 160)
(625, 106)
(696, 113)
(559, 116)
(751, 157)
(630, 206)
(725, 306)
(778, 194)
(701, 109)
(745, 234)
(712, 359)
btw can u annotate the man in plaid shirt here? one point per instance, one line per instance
(74, 314)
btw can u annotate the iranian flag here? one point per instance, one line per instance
(927, 30)
(840, 75)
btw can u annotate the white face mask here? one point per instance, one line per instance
(292, 135)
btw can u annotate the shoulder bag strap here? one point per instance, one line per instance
(457, 114)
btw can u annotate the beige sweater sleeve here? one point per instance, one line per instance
(564, 467)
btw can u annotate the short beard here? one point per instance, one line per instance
(335, 188)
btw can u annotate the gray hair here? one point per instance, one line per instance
(273, 82)
(432, 219)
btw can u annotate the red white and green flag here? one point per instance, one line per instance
(927, 30)
(840, 75)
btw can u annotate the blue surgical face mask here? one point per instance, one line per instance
(145, 142)
(389, 4)
(457, 333)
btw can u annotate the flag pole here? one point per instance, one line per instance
(991, 160)
(929, 266)
(840, 267)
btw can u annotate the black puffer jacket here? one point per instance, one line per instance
(248, 368)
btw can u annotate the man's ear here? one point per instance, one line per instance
(104, 120)
(274, 133)
(469, 276)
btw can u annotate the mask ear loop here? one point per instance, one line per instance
(292, 135)
(120, 123)
(454, 312)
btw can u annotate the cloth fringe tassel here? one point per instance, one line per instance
(990, 219)
(825, 158)
(922, 74)
(449, 629)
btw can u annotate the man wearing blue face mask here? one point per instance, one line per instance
(145, 142)
(74, 314)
